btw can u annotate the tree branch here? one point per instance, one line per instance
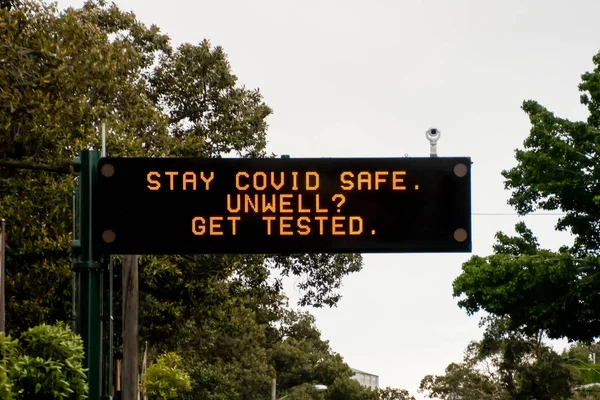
(60, 169)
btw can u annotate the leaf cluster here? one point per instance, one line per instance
(45, 364)
(166, 378)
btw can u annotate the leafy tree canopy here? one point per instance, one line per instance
(537, 288)
(62, 74)
(505, 364)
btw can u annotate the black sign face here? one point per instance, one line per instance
(317, 205)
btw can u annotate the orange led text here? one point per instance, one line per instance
(277, 180)
(173, 180)
(214, 226)
(276, 203)
(320, 225)
(366, 180)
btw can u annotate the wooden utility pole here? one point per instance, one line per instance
(129, 372)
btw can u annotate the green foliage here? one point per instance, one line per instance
(348, 389)
(226, 354)
(318, 288)
(556, 170)
(66, 72)
(63, 347)
(53, 342)
(392, 394)
(531, 292)
(578, 357)
(587, 394)
(539, 289)
(547, 378)
(63, 74)
(462, 381)
(166, 379)
(587, 373)
(302, 359)
(213, 104)
(299, 355)
(46, 364)
(344, 388)
(6, 387)
(37, 378)
(232, 355)
(8, 348)
(505, 364)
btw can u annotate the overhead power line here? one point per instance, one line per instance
(525, 215)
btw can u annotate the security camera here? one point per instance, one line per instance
(433, 135)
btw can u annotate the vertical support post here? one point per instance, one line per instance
(108, 308)
(89, 272)
(108, 330)
(103, 139)
(76, 248)
(130, 367)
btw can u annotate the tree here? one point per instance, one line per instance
(302, 359)
(66, 72)
(393, 394)
(63, 76)
(299, 355)
(247, 336)
(344, 388)
(540, 289)
(225, 354)
(505, 364)
(537, 288)
(348, 389)
(207, 112)
(461, 382)
(556, 171)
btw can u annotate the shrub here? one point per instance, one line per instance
(166, 379)
(46, 364)
(62, 346)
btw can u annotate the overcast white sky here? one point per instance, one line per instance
(358, 78)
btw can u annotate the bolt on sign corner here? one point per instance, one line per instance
(284, 206)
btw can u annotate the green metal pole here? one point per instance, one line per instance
(108, 328)
(89, 272)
